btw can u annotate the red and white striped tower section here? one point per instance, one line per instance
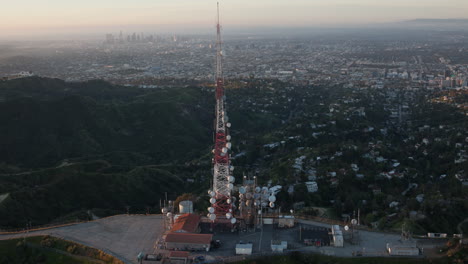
(221, 200)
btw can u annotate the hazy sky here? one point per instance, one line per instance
(33, 16)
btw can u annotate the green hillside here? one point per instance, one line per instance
(71, 149)
(50, 250)
(45, 121)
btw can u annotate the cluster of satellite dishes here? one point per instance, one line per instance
(211, 210)
(257, 197)
(353, 223)
(228, 146)
(230, 183)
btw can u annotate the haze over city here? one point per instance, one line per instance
(67, 18)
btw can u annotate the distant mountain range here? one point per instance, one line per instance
(436, 24)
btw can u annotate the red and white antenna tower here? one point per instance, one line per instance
(221, 200)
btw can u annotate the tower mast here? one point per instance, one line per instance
(221, 202)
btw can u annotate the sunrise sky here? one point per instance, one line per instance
(32, 16)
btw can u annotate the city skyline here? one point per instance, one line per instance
(88, 17)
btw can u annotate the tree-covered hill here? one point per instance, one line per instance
(45, 121)
(398, 156)
(67, 148)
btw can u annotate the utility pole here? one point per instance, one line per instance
(300, 233)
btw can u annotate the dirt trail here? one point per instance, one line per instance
(459, 226)
(3, 197)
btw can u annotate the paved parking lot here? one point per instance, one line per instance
(261, 239)
(123, 236)
(372, 243)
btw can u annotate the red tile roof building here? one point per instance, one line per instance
(186, 241)
(186, 223)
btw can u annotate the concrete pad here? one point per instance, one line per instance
(123, 236)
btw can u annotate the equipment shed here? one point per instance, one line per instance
(286, 221)
(402, 250)
(244, 249)
(185, 241)
(179, 255)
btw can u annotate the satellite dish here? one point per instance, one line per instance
(229, 145)
(272, 198)
(228, 124)
(353, 221)
(228, 137)
(164, 210)
(169, 214)
(292, 211)
(212, 194)
(231, 179)
(248, 195)
(346, 227)
(209, 192)
(242, 190)
(224, 150)
(264, 204)
(228, 201)
(228, 215)
(258, 189)
(272, 204)
(259, 212)
(230, 186)
(231, 168)
(212, 200)
(233, 220)
(211, 210)
(233, 198)
(212, 217)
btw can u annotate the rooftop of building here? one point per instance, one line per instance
(189, 238)
(187, 223)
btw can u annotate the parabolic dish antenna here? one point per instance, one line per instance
(212, 217)
(242, 190)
